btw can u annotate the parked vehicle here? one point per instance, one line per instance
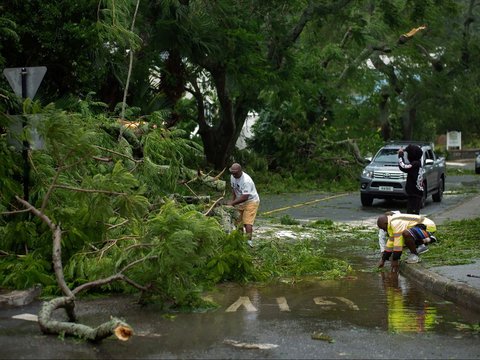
(477, 163)
(382, 179)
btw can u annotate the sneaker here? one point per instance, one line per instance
(432, 239)
(250, 243)
(422, 249)
(412, 259)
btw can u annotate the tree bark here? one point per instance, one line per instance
(48, 326)
(219, 140)
(352, 146)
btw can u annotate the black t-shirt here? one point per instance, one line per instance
(414, 172)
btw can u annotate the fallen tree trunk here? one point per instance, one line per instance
(352, 146)
(115, 326)
(48, 326)
(212, 181)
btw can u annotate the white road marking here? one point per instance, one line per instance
(282, 304)
(27, 317)
(322, 300)
(349, 303)
(242, 300)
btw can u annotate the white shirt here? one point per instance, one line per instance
(244, 185)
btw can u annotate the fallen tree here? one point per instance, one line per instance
(114, 211)
(114, 326)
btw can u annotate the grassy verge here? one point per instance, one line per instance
(458, 244)
(288, 251)
(455, 171)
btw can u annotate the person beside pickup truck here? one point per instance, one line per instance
(414, 186)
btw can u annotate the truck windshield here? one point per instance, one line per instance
(387, 155)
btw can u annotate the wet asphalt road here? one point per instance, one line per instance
(361, 317)
(346, 207)
(365, 316)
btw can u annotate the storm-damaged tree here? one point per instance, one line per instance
(234, 58)
(225, 55)
(375, 74)
(97, 217)
(410, 66)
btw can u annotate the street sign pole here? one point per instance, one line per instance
(26, 144)
(26, 86)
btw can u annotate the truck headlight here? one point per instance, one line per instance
(367, 173)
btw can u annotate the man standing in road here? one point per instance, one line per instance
(245, 198)
(407, 230)
(414, 170)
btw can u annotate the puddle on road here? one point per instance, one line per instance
(366, 303)
(372, 300)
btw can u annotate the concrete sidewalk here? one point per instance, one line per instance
(457, 283)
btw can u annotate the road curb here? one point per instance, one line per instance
(459, 293)
(20, 297)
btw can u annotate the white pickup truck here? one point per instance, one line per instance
(382, 179)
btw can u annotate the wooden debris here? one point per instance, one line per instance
(318, 335)
(20, 297)
(49, 326)
(264, 346)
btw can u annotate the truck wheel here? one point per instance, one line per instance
(437, 197)
(367, 200)
(424, 197)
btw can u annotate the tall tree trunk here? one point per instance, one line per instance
(384, 111)
(130, 65)
(172, 83)
(409, 118)
(219, 140)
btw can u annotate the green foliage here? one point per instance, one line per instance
(97, 204)
(69, 47)
(324, 162)
(25, 271)
(166, 154)
(10, 172)
(8, 30)
(301, 258)
(457, 244)
(233, 262)
(322, 224)
(182, 241)
(467, 328)
(288, 220)
(21, 235)
(107, 185)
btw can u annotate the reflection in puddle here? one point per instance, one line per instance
(405, 315)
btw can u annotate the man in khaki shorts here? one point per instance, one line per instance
(245, 198)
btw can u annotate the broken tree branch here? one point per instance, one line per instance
(48, 326)
(214, 204)
(57, 245)
(88, 190)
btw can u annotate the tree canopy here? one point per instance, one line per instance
(210, 64)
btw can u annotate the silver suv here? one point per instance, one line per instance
(477, 163)
(382, 179)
